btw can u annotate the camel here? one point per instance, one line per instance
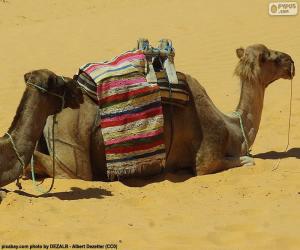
(204, 139)
(45, 94)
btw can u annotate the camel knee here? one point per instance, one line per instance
(200, 171)
(43, 165)
(204, 169)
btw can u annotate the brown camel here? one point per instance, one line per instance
(204, 139)
(46, 94)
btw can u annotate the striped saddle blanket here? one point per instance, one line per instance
(131, 114)
(92, 74)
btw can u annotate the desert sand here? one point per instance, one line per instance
(244, 208)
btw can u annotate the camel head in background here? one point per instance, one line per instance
(56, 87)
(46, 94)
(258, 63)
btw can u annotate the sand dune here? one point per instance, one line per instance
(243, 208)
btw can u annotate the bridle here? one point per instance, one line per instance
(43, 90)
(62, 97)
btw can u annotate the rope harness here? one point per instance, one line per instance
(19, 158)
(62, 97)
(238, 114)
(275, 167)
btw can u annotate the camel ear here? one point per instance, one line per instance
(240, 52)
(73, 93)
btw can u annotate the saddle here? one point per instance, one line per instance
(155, 63)
(160, 69)
(130, 90)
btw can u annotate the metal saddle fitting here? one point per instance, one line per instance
(143, 44)
(166, 46)
(161, 58)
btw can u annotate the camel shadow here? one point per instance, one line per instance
(175, 177)
(273, 155)
(74, 194)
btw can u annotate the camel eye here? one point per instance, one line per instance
(263, 57)
(277, 60)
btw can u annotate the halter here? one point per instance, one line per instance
(43, 90)
(62, 97)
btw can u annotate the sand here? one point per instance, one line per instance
(244, 208)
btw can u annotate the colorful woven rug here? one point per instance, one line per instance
(179, 93)
(131, 114)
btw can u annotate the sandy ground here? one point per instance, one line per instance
(243, 208)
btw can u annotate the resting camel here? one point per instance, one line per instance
(46, 94)
(204, 139)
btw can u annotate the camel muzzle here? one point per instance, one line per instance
(291, 67)
(289, 70)
(292, 71)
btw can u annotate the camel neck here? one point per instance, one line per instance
(250, 107)
(29, 122)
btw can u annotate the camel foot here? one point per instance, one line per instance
(223, 164)
(247, 161)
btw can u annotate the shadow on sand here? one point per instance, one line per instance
(175, 177)
(74, 194)
(98, 193)
(293, 152)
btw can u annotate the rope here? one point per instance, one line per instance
(275, 167)
(171, 124)
(42, 191)
(19, 158)
(15, 149)
(53, 140)
(238, 114)
(43, 90)
(32, 165)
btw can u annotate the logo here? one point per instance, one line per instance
(283, 8)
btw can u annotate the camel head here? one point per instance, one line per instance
(53, 87)
(258, 63)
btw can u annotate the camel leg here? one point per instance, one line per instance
(211, 157)
(72, 136)
(43, 166)
(207, 165)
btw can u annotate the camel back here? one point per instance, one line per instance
(155, 63)
(130, 90)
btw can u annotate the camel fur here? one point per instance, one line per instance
(204, 139)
